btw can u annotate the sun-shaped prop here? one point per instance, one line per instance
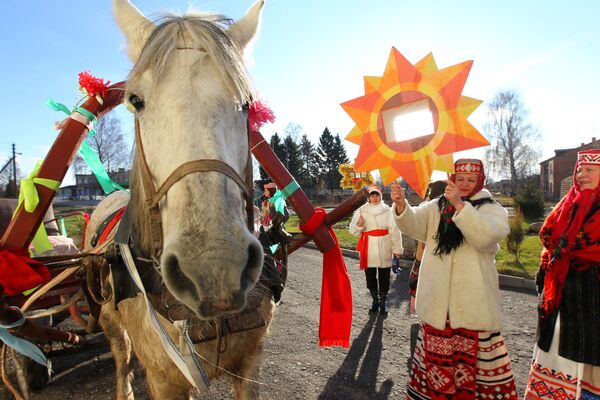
(354, 180)
(404, 84)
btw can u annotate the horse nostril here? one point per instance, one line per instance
(175, 276)
(251, 271)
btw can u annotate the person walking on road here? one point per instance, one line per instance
(380, 239)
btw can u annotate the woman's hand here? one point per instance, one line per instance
(453, 195)
(360, 222)
(397, 196)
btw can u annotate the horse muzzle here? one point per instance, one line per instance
(212, 281)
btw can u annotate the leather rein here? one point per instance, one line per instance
(153, 196)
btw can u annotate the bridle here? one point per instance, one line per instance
(154, 196)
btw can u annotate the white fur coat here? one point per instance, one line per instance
(462, 285)
(380, 248)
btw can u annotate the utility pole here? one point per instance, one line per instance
(14, 159)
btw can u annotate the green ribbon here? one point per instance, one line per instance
(278, 199)
(89, 155)
(28, 195)
(63, 228)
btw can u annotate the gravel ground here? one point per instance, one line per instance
(294, 367)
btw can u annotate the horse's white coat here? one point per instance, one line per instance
(192, 111)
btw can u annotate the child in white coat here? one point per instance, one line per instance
(380, 238)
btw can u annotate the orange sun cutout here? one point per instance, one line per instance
(402, 84)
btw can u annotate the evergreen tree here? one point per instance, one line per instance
(341, 156)
(310, 167)
(278, 147)
(331, 153)
(293, 161)
(529, 198)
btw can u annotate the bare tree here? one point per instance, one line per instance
(7, 183)
(110, 144)
(514, 151)
(293, 130)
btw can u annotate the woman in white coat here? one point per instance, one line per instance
(460, 352)
(380, 238)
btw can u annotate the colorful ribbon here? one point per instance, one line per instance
(89, 155)
(23, 346)
(278, 199)
(28, 195)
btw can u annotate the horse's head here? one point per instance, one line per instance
(188, 87)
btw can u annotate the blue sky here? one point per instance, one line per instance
(311, 55)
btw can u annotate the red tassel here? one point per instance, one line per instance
(92, 85)
(259, 114)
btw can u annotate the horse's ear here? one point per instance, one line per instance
(134, 25)
(246, 27)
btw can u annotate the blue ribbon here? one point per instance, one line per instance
(24, 347)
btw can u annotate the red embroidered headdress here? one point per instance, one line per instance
(470, 166)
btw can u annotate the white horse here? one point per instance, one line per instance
(188, 87)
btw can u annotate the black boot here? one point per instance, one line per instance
(375, 306)
(382, 306)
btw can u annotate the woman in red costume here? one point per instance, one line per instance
(566, 358)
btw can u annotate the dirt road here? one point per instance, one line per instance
(294, 367)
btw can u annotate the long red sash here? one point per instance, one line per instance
(336, 292)
(363, 245)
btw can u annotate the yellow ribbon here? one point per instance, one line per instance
(28, 195)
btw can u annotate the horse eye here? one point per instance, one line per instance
(136, 102)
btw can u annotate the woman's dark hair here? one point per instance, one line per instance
(448, 236)
(436, 189)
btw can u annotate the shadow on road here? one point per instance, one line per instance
(398, 296)
(356, 380)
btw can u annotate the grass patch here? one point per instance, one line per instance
(530, 258)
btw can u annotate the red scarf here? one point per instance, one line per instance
(363, 245)
(19, 272)
(336, 291)
(567, 233)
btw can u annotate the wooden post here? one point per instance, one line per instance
(23, 226)
(280, 175)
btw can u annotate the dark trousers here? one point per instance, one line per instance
(383, 278)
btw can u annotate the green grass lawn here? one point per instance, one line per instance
(529, 260)
(526, 268)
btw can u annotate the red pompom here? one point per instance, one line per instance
(92, 85)
(259, 114)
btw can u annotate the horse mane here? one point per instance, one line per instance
(208, 32)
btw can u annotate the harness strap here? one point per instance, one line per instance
(153, 196)
(203, 165)
(189, 363)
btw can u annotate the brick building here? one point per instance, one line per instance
(556, 172)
